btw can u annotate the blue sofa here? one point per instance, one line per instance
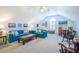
(32, 31)
(42, 34)
(14, 37)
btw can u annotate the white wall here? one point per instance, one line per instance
(33, 16)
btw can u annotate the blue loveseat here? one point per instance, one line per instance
(32, 31)
(42, 34)
(13, 37)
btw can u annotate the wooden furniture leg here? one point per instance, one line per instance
(5, 40)
(23, 42)
(19, 41)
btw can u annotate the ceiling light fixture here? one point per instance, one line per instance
(43, 8)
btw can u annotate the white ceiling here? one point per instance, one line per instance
(26, 12)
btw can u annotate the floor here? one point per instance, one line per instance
(39, 45)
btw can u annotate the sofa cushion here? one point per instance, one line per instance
(20, 31)
(32, 32)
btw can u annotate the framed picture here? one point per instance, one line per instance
(19, 25)
(25, 25)
(37, 25)
(11, 25)
(62, 22)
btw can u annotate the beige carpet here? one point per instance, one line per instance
(39, 45)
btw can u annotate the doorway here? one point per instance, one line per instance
(52, 25)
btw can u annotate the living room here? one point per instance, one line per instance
(37, 29)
